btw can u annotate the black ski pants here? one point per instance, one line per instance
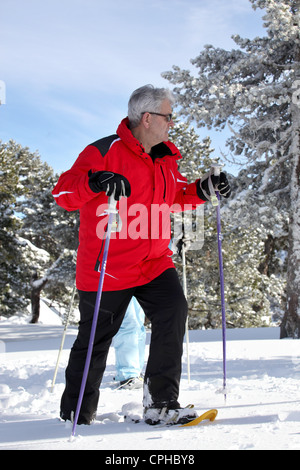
(165, 306)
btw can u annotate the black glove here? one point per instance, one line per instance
(111, 183)
(220, 184)
(224, 186)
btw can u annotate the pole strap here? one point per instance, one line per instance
(211, 196)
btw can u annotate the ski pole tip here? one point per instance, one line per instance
(225, 394)
(73, 436)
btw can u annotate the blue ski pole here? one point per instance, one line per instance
(222, 295)
(215, 199)
(111, 220)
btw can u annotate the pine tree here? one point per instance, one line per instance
(38, 239)
(255, 90)
(15, 253)
(252, 286)
(49, 228)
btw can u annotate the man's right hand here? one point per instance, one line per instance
(110, 183)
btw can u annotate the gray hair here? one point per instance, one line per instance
(147, 98)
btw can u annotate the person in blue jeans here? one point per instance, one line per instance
(129, 344)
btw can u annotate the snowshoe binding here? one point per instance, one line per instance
(166, 416)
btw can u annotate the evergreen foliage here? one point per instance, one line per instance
(254, 277)
(254, 90)
(38, 239)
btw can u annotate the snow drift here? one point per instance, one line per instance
(262, 410)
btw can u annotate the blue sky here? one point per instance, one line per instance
(69, 66)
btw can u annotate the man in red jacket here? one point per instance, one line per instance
(140, 164)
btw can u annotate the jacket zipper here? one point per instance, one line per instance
(165, 184)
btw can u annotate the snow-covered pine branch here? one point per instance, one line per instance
(254, 89)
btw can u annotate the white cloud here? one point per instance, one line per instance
(70, 65)
(214, 22)
(103, 45)
(72, 43)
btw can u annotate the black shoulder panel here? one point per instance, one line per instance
(104, 144)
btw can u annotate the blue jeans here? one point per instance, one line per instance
(129, 343)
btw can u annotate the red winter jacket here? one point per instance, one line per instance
(140, 252)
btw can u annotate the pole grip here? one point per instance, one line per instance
(216, 169)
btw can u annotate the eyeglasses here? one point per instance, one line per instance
(167, 116)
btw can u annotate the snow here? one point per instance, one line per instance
(262, 409)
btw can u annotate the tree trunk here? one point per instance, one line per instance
(290, 326)
(264, 267)
(37, 287)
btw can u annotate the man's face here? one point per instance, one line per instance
(159, 128)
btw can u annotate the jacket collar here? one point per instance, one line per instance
(161, 150)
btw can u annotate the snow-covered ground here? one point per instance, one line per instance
(262, 410)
